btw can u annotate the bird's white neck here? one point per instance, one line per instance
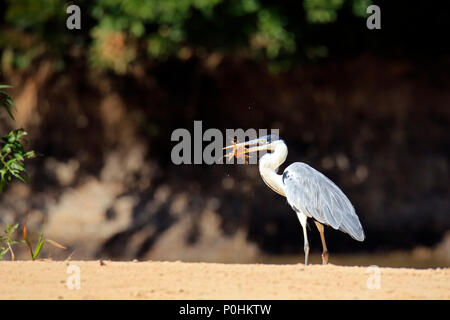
(268, 165)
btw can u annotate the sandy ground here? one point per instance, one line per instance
(179, 280)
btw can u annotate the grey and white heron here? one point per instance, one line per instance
(310, 193)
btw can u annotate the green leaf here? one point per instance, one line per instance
(17, 166)
(18, 156)
(24, 179)
(6, 148)
(3, 251)
(39, 245)
(29, 155)
(9, 230)
(6, 101)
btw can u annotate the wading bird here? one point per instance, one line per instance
(310, 193)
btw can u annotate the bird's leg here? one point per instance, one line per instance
(324, 245)
(306, 247)
(303, 219)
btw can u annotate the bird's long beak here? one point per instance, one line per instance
(241, 148)
(243, 144)
(254, 149)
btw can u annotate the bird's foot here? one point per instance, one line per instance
(325, 256)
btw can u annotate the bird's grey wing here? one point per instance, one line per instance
(313, 193)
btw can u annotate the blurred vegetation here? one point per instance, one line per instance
(12, 156)
(7, 241)
(116, 33)
(12, 152)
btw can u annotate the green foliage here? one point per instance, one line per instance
(360, 7)
(322, 11)
(117, 33)
(39, 244)
(31, 13)
(273, 35)
(12, 152)
(12, 156)
(5, 100)
(6, 242)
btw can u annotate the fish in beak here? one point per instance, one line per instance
(244, 148)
